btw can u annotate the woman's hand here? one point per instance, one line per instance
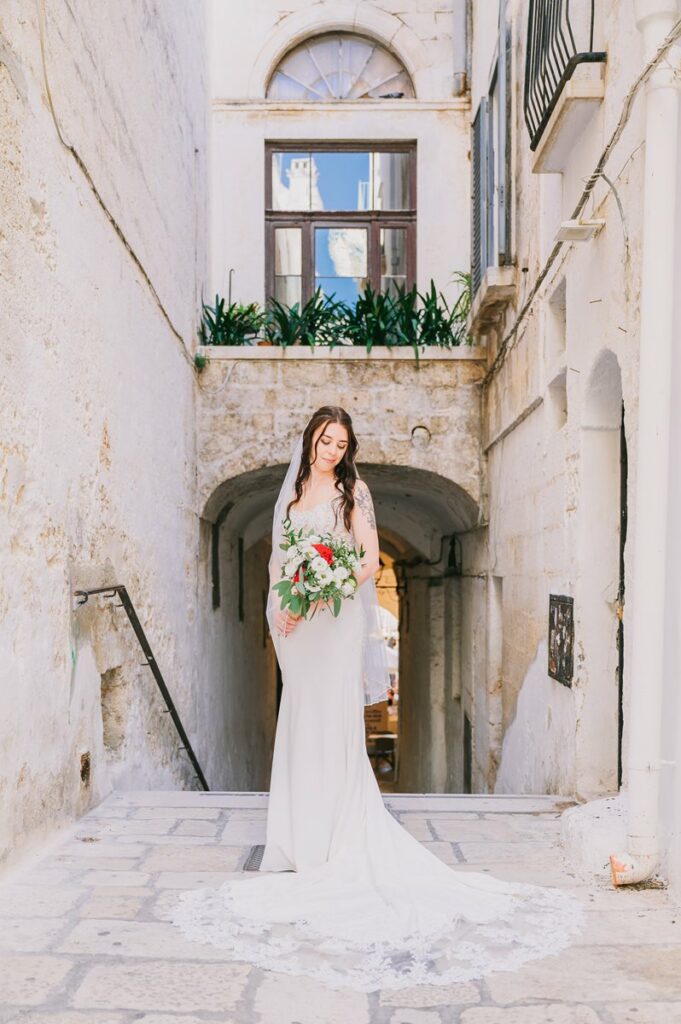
(285, 622)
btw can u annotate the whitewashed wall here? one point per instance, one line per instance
(553, 488)
(97, 386)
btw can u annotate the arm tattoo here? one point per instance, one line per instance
(363, 499)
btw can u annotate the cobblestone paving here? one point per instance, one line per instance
(85, 937)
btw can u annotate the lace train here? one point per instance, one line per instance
(350, 937)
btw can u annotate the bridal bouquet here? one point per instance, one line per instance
(316, 567)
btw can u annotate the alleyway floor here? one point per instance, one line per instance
(84, 936)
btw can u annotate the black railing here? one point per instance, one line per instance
(551, 58)
(121, 592)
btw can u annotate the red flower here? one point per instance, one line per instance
(297, 576)
(325, 552)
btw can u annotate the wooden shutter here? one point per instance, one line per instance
(480, 195)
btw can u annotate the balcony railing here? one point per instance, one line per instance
(552, 56)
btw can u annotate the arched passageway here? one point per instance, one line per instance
(423, 519)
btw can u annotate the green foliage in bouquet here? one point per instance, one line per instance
(317, 567)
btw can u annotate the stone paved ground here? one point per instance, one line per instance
(84, 936)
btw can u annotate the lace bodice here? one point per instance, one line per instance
(322, 518)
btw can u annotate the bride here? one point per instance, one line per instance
(345, 894)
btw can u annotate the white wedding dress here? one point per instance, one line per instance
(346, 895)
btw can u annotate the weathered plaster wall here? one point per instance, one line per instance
(551, 522)
(97, 462)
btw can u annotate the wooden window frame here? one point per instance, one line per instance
(308, 220)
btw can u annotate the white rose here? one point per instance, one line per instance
(347, 589)
(324, 576)
(319, 564)
(341, 573)
(289, 569)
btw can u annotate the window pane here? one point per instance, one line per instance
(341, 261)
(391, 181)
(391, 285)
(290, 181)
(393, 245)
(341, 252)
(341, 181)
(287, 290)
(344, 289)
(288, 251)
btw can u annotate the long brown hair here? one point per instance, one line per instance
(345, 471)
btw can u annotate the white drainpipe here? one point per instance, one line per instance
(654, 19)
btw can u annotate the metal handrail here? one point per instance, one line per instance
(126, 603)
(550, 60)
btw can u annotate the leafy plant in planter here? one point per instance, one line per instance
(319, 321)
(372, 320)
(408, 319)
(235, 325)
(437, 319)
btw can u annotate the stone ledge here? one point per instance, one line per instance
(497, 290)
(581, 96)
(342, 353)
(257, 105)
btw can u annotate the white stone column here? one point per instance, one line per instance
(654, 19)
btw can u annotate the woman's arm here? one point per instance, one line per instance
(364, 528)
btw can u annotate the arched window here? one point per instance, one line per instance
(339, 66)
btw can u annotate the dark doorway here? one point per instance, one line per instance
(620, 596)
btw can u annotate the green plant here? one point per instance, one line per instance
(408, 319)
(200, 361)
(405, 317)
(235, 325)
(319, 321)
(462, 308)
(372, 319)
(437, 319)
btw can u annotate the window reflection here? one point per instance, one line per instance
(288, 265)
(288, 290)
(393, 251)
(391, 181)
(341, 180)
(341, 261)
(291, 181)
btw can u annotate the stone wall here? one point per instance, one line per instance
(102, 249)
(254, 402)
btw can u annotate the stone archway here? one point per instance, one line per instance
(422, 518)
